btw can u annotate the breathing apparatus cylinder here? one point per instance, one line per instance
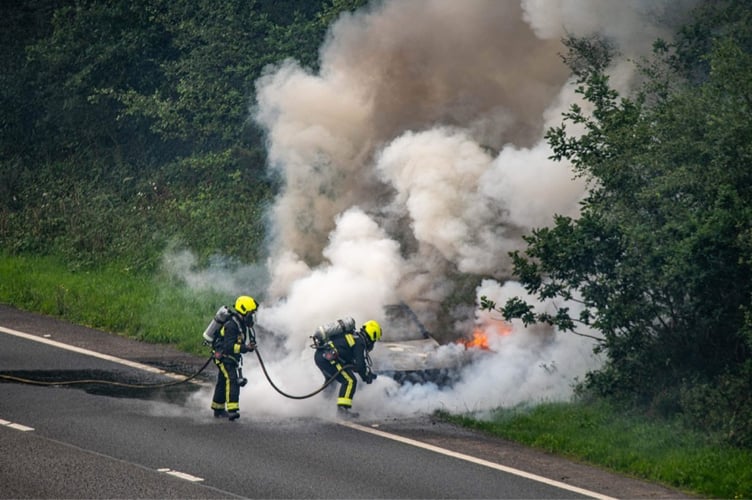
(324, 332)
(220, 318)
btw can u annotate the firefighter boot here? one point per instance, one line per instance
(220, 414)
(346, 413)
(233, 415)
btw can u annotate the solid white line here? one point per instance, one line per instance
(87, 352)
(478, 461)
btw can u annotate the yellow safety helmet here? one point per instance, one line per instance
(245, 305)
(373, 330)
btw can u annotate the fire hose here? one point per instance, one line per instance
(105, 382)
(23, 380)
(305, 396)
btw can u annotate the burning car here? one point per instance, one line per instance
(408, 353)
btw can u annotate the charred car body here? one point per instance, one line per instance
(408, 352)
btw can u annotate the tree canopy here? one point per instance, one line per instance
(659, 260)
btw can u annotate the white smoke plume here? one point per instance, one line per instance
(413, 162)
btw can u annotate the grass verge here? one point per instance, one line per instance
(602, 434)
(112, 298)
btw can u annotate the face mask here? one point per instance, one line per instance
(248, 319)
(369, 343)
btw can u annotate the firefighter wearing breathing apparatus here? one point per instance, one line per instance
(235, 338)
(342, 351)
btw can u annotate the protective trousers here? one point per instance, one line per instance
(227, 390)
(345, 377)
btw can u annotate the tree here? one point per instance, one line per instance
(660, 257)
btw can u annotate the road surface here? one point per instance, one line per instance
(104, 441)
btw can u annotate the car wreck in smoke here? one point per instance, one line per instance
(408, 352)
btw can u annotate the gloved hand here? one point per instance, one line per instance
(370, 378)
(249, 347)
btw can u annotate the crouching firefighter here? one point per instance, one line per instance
(341, 351)
(233, 336)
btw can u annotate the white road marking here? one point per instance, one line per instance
(477, 461)
(181, 475)
(20, 427)
(107, 357)
(13, 425)
(87, 352)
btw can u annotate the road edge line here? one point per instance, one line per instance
(87, 352)
(475, 460)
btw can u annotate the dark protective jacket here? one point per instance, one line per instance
(340, 357)
(233, 339)
(352, 349)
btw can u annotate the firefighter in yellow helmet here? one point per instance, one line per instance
(235, 338)
(342, 351)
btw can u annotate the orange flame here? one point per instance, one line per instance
(479, 339)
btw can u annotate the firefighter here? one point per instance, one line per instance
(235, 338)
(344, 353)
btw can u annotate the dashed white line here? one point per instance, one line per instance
(181, 475)
(16, 426)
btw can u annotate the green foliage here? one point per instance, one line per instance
(125, 125)
(599, 433)
(222, 206)
(73, 214)
(219, 49)
(713, 21)
(718, 407)
(19, 27)
(659, 260)
(92, 46)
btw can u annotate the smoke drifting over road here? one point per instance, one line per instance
(415, 156)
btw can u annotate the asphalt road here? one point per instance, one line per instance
(99, 441)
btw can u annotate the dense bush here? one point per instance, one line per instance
(125, 124)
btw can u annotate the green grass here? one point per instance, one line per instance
(603, 435)
(157, 309)
(110, 298)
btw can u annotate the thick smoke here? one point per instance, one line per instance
(414, 160)
(407, 94)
